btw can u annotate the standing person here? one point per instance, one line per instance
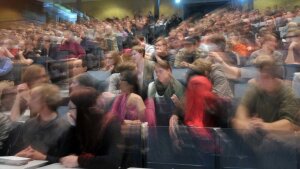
(98, 134)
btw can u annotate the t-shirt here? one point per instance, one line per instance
(48, 138)
(281, 105)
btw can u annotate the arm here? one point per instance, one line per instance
(113, 140)
(178, 59)
(290, 56)
(231, 72)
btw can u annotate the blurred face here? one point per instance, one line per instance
(125, 87)
(74, 84)
(271, 44)
(163, 75)
(72, 111)
(76, 68)
(42, 78)
(190, 48)
(161, 48)
(267, 83)
(109, 60)
(35, 103)
(136, 56)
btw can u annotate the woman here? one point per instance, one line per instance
(129, 106)
(98, 134)
(166, 90)
(199, 98)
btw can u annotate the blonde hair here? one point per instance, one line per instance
(202, 65)
(49, 94)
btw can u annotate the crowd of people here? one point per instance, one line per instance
(36, 59)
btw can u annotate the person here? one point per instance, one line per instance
(98, 134)
(268, 104)
(188, 54)
(44, 137)
(145, 69)
(201, 104)
(293, 56)
(165, 86)
(76, 67)
(215, 74)
(112, 61)
(33, 75)
(129, 106)
(5, 128)
(269, 45)
(161, 52)
(71, 46)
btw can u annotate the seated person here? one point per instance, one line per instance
(161, 52)
(268, 104)
(5, 127)
(112, 61)
(69, 44)
(293, 56)
(215, 74)
(76, 67)
(168, 88)
(98, 134)
(33, 75)
(202, 107)
(129, 106)
(188, 54)
(44, 137)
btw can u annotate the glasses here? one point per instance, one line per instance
(158, 45)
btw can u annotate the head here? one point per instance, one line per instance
(77, 67)
(112, 58)
(268, 73)
(269, 41)
(163, 72)
(161, 47)
(138, 53)
(44, 97)
(129, 82)
(190, 45)
(35, 75)
(216, 42)
(68, 35)
(85, 80)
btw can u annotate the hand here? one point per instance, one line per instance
(216, 57)
(29, 152)
(25, 153)
(70, 161)
(184, 64)
(173, 125)
(175, 100)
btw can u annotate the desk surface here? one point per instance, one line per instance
(56, 166)
(31, 165)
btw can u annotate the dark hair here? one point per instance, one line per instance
(219, 40)
(86, 80)
(163, 64)
(131, 78)
(88, 121)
